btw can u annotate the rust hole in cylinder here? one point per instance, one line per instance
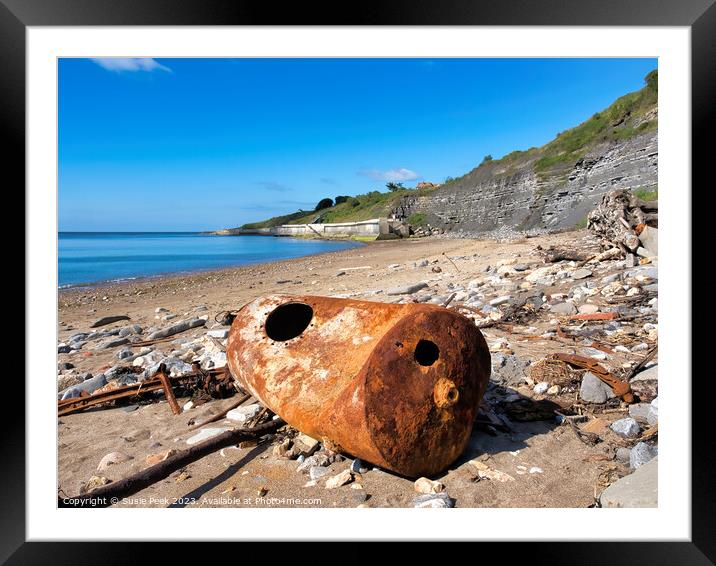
(426, 352)
(288, 321)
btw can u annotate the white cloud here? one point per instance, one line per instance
(393, 175)
(133, 64)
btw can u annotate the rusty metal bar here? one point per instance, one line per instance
(168, 391)
(397, 385)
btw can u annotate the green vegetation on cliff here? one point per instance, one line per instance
(630, 115)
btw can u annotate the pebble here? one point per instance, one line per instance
(626, 427)
(588, 308)
(434, 500)
(650, 374)
(111, 459)
(359, 467)
(643, 413)
(563, 308)
(541, 387)
(243, 414)
(93, 483)
(500, 300)
(581, 274)
(205, 434)
(176, 328)
(407, 290)
(317, 472)
(594, 390)
(425, 485)
(124, 353)
(623, 454)
(640, 455)
(338, 480)
(221, 333)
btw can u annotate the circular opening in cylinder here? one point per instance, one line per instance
(426, 352)
(288, 321)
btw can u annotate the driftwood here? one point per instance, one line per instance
(619, 219)
(112, 493)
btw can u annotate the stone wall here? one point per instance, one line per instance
(515, 196)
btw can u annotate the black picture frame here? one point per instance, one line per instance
(699, 15)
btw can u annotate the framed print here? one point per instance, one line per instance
(318, 270)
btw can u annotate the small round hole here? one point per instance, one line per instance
(288, 321)
(426, 353)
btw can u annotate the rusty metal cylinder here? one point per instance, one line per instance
(397, 385)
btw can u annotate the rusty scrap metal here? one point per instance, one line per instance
(213, 381)
(397, 385)
(621, 388)
(594, 316)
(168, 391)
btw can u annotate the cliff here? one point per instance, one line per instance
(555, 186)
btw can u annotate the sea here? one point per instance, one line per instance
(91, 258)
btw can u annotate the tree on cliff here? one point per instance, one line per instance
(324, 203)
(486, 159)
(392, 187)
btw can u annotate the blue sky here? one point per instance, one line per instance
(202, 144)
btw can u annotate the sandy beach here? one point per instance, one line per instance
(543, 464)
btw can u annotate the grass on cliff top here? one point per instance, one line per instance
(622, 120)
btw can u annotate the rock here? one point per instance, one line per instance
(320, 459)
(485, 472)
(649, 238)
(111, 459)
(307, 445)
(68, 380)
(93, 483)
(109, 320)
(180, 326)
(588, 308)
(626, 427)
(124, 353)
(338, 480)
(243, 414)
(639, 489)
(520, 267)
(205, 434)
(423, 263)
(317, 472)
(359, 467)
(581, 274)
(425, 485)
(593, 389)
(554, 390)
(63, 349)
(640, 455)
(153, 459)
(508, 369)
(64, 366)
(160, 310)
(623, 454)
(563, 308)
(88, 386)
(113, 343)
(650, 374)
(140, 434)
(407, 290)
(541, 387)
(188, 405)
(433, 500)
(500, 300)
(595, 426)
(220, 333)
(640, 412)
(630, 261)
